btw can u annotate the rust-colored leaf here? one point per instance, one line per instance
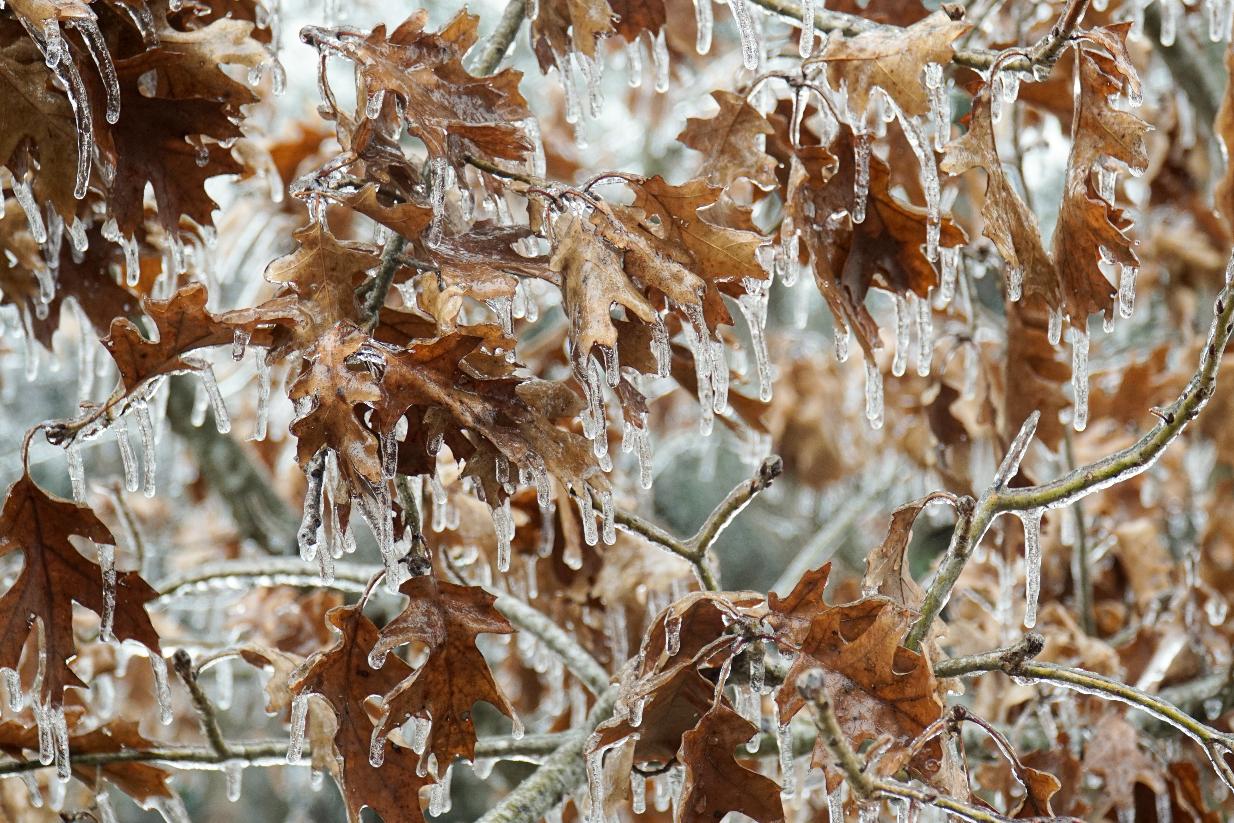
(342, 676)
(446, 619)
(729, 142)
(715, 783)
(54, 575)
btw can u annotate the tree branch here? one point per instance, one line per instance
(373, 293)
(559, 775)
(1083, 481)
(354, 577)
(499, 42)
(205, 709)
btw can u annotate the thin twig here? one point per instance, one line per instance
(697, 549)
(1015, 662)
(274, 753)
(205, 709)
(1082, 481)
(499, 42)
(373, 293)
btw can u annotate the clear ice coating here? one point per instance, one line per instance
(753, 305)
(861, 178)
(1079, 376)
(1032, 564)
(145, 427)
(107, 564)
(925, 336)
(900, 360)
(162, 687)
(660, 61)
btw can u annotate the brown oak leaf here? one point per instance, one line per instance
(715, 783)
(446, 619)
(54, 575)
(143, 782)
(564, 26)
(729, 142)
(892, 59)
(342, 676)
(880, 689)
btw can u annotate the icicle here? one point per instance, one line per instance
(565, 67)
(750, 706)
(806, 46)
(1126, 291)
(672, 634)
(439, 794)
(299, 720)
(132, 261)
(12, 685)
(310, 523)
(107, 563)
(162, 688)
(750, 47)
(861, 177)
(788, 777)
(97, 46)
(1164, 807)
(102, 803)
(842, 336)
(660, 61)
(77, 473)
(753, 304)
(608, 529)
(835, 805)
(703, 22)
(503, 525)
(222, 420)
(595, 786)
(1032, 564)
(171, 808)
(1106, 180)
(1015, 284)
(588, 516)
(660, 348)
(638, 780)
(1055, 331)
(869, 812)
(1079, 376)
(1010, 466)
(441, 180)
(24, 194)
(239, 343)
(874, 394)
(593, 74)
(900, 362)
(53, 43)
(145, 427)
(372, 105)
(1169, 10)
(634, 62)
(263, 396)
(233, 773)
(377, 744)
(925, 336)
(612, 366)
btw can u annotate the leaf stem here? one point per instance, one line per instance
(374, 292)
(205, 709)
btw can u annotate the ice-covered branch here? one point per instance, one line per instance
(1015, 661)
(697, 549)
(867, 788)
(205, 709)
(1084, 480)
(354, 577)
(561, 773)
(274, 753)
(499, 42)
(373, 293)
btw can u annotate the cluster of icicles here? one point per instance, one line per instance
(53, 730)
(59, 59)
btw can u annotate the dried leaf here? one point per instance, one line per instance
(715, 783)
(54, 575)
(730, 142)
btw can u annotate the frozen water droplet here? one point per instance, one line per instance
(750, 45)
(77, 472)
(1126, 291)
(900, 361)
(660, 60)
(145, 427)
(634, 62)
(233, 773)
(788, 777)
(861, 177)
(1054, 332)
